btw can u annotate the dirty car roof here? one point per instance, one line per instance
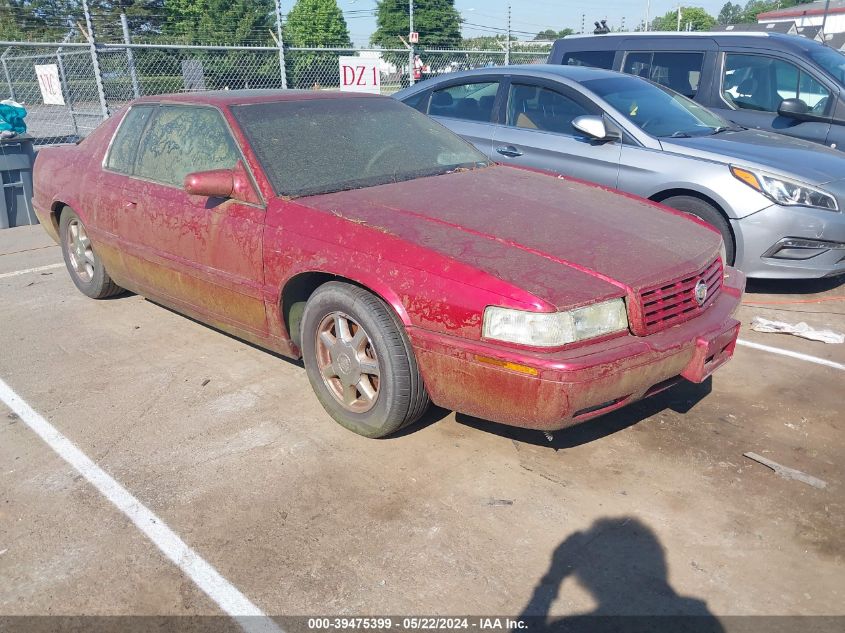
(242, 97)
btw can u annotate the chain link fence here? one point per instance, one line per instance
(96, 81)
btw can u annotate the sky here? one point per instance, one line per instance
(489, 17)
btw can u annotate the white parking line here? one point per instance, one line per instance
(798, 355)
(31, 270)
(220, 590)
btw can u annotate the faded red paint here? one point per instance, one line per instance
(437, 250)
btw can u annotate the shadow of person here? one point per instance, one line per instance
(621, 563)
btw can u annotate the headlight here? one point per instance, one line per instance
(544, 329)
(784, 191)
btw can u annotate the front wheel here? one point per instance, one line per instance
(359, 361)
(710, 214)
(85, 267)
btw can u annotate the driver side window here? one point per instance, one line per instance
(184, 139)
(756, 82)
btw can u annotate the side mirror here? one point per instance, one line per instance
(794, 109)
(595, 127)
(215, 183)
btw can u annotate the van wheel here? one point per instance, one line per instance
(85, 267)
(359, 361)
(710, 214)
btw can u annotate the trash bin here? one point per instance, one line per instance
(16, 158)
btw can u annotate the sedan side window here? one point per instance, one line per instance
(536, 108)
(181, 140)
(471, 102)
(124, 146)
(756, 82)
(680, 72)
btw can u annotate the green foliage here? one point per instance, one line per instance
(315, 23)
(730, 14)
(219, 21)
(144, 17)
(550, 35)
(44, 20)
(698, 17)
(437, 22)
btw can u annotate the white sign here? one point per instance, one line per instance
(359, 74)
(414, 37)
(51, 86)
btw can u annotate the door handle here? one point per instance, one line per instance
(509, 150)
(130, 204)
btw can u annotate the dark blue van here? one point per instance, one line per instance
(784, 83)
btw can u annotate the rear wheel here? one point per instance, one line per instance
(359, 361)
(85, 267)
(710, 214)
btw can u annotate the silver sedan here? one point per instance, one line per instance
(776, 200)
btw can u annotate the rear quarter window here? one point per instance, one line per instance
(124, 146)
(596, 59)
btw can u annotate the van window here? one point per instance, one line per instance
(470, 101)
(757, 82)
(596, 59)
(680, 72)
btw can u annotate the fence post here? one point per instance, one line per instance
(411, 59)
(66, 89)
(8, 77)
(95, 61)
(281, 44)
(130, 58)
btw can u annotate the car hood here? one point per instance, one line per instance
(785, 155)
(566, 242)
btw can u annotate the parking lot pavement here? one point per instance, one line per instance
(652, 509)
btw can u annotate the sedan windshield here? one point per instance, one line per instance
(657, 110)
(312, 146)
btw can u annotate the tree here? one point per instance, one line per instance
(699, 19)
(144, 17)
(437, 22)
(545, 36)
(315, 23)
(730, 14)
(38, 19)
(219, 21)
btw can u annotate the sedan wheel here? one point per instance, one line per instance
(360, 362)
(348, 363)
(85, 268)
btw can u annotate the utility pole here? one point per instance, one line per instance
(130, 58)
(410, 49)
(95, 61)
(508, 42)
(824, 21)
(679, 16)
(281, 45)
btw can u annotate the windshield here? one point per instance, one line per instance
(312, 146)
(832, 61)
(655, 109)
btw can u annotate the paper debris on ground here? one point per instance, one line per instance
(786, 472)
(759, 324)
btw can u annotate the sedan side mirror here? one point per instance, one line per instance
(214, 183)
(794, 109)
(594, 127)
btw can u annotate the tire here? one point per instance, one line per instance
(710, 214)
(84, 266)
(367, 403)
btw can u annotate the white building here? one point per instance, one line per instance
(811, 14)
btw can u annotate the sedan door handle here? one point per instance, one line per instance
(509, 150)
(130, 204)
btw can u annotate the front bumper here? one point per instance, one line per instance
(575, 385)
(763, 248)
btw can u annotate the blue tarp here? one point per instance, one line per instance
(11, 118)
